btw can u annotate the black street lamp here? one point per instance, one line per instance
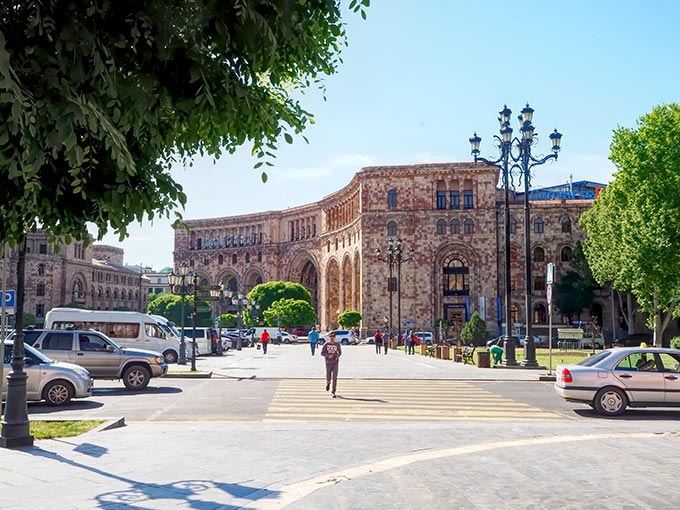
(218, 293)
(181, 284)
(239, 301)
(394, 256)
(516, 159)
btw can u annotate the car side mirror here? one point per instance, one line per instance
(28, 361)
(110, 348)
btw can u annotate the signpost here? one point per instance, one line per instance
(549, 295)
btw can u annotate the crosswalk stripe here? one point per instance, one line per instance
(370, 400)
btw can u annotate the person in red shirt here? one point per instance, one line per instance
(265, 341)
(378, 339)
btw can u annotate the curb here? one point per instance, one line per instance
(188, 375)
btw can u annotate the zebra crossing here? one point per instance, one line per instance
(394, 400)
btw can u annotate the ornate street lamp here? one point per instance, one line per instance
(218, 294)
(516, 160)
(394, 256)
(239, 301)
(181, 284)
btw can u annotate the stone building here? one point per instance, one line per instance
(450, 214)
(91, 276)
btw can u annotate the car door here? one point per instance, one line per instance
(97, 355)
(57, 345)
(34, 372)
(670, 368)
(639, 375)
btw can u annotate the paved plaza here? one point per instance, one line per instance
(310, 463)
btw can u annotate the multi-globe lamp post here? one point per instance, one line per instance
(218, 293)
(395, 257)
(182, 284)
(515, 159)
(239, 301)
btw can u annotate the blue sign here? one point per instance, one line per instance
(9, 298)
(217, 321)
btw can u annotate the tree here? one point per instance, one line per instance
(474, 331)
(168, 306)
(265, 294)
(29, 319)
(227, 320)
(291, 312)
(349, 319)
(573, 294)
(98, 99)
(632, 227)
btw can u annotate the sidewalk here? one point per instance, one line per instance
(608, 465)
(358, 362)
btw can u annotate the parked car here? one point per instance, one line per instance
(634, 340)
(55, 382)
(342, 336)
(100, 355)
(623, 377)
(300, 331)
(286, 337)
(425, 337)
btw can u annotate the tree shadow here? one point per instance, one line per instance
(199, 494)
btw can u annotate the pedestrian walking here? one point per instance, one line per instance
(264, 340)
(279, 336)
(313, 339)
(332, 352)
(378, 339)
(411, 342)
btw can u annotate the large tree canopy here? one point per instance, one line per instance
(98, 97)
(633, 225)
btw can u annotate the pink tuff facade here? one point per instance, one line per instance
(456, 267)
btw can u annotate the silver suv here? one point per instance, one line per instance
(54, 382)
(100, 355)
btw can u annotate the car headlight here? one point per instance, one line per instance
(85, 375)
(158, 360)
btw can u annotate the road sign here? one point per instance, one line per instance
(551, 272)
(9, 298)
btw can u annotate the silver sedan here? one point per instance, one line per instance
(623, 377)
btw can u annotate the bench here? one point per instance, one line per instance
(467, 355)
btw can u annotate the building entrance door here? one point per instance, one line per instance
(455, 314)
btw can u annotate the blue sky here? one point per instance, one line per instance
(420, 77)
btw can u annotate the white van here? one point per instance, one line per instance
(127, 329)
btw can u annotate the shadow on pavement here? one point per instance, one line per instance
(632, 414)
(147, 391)
(363, 399)
(139, 494)
(40, 408)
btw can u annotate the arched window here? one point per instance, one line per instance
(77, 291)
(41, 270)
(469, 226)
(565, 254)
(539, 283)
(455, 226)
(441, 227)
(513, 225)
(514, 313)
(538, 226)
(392, 198)
(566, 224)
(115, 293)
(540, 314)
(539, 254)
(392, 229)
(456, 274)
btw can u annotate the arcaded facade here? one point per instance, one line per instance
(451, 214)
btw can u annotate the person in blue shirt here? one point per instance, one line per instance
(313, 339)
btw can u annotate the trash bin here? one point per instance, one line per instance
(446, 352)
(483, 359)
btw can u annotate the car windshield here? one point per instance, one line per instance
(30, 352)
(594, 360)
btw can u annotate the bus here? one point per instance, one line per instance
(127, 329)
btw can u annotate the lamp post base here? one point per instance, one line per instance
(16, 442)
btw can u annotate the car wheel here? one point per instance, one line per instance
(286, 341)
(136, 377)
(345, 342)
(170, 356)
(598, 345)
(58, 393)
(610, 401)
